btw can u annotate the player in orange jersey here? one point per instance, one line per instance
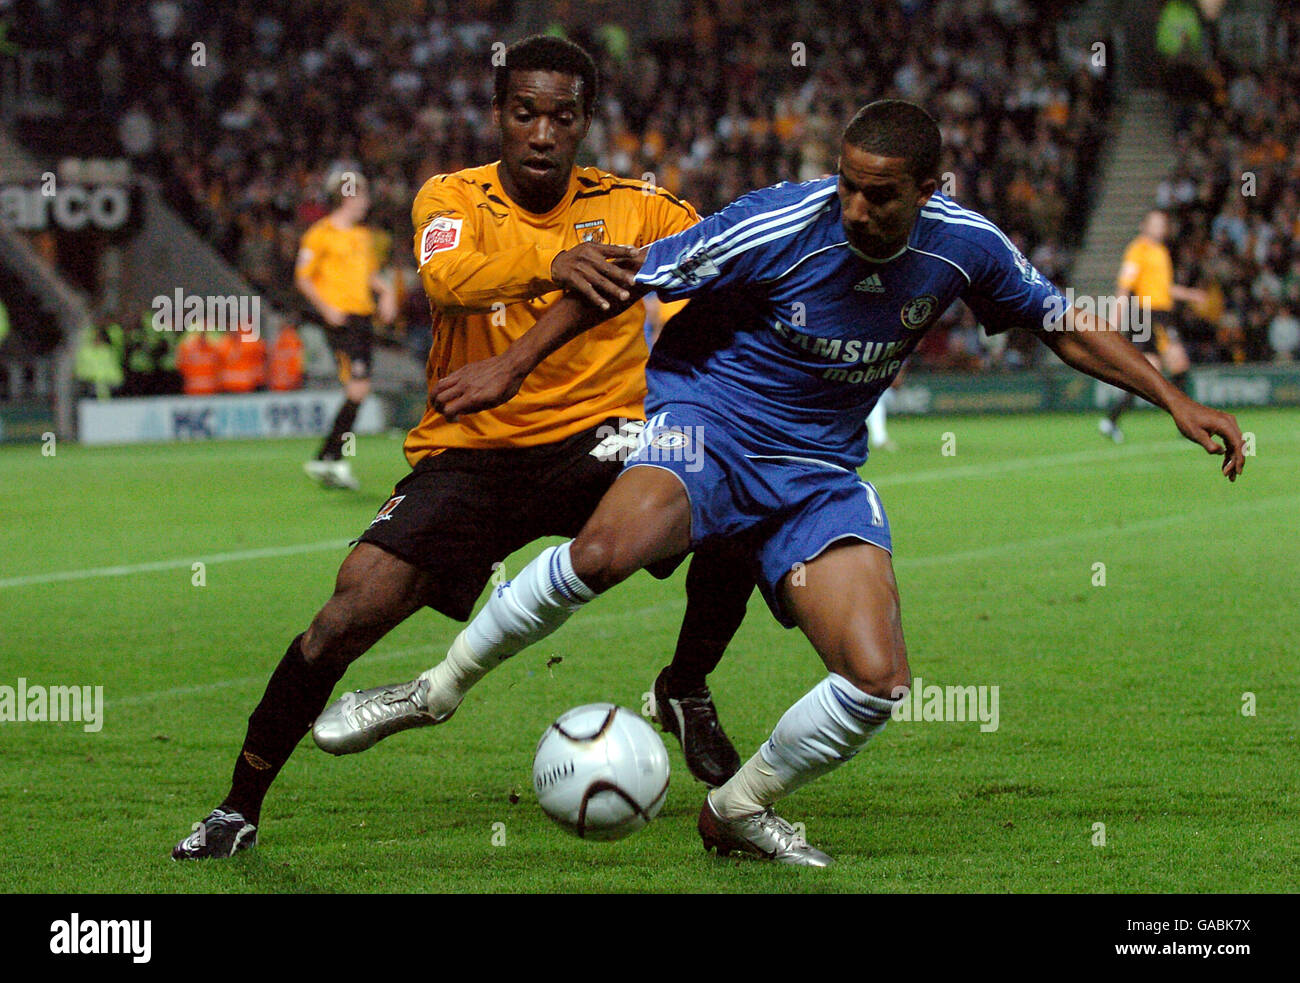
(1146, 276)
(338, 272)
(496, 246)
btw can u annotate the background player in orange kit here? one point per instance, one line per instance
(338, 271)
(1146, 275)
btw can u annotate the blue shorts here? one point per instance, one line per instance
(788, 509)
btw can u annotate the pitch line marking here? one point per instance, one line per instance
(376, 658)
(675, 605)
(1049, 542)
(266, 552)
(1137, 452)
(175, 691)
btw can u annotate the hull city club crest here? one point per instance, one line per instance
(591, 231)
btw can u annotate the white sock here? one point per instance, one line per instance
(518, 613)
(452, 678)
(876, 429)
(828, 725)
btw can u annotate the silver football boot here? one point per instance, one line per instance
(763, 834)
(361, 719)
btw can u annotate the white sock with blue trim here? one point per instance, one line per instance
(518, 613)
(828, 725)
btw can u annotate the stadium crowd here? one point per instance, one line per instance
(1234, 199)
(242, 110)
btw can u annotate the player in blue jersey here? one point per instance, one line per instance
(806, 299)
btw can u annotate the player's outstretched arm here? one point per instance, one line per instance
(492, 381)
(1092, 346)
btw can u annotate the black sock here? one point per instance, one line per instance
(718, 586)
(1118, 409)
(294, 698)
(332, 449)
(1180, 380)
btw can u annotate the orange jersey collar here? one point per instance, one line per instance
(536, 219)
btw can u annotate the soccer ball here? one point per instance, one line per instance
(601, 772)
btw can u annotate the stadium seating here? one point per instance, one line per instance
(243, 140)
(1234, 197)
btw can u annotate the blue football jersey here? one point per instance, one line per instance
(794, 334)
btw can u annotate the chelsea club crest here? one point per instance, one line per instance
(916, 313)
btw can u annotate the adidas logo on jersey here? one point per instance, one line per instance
(871, 285)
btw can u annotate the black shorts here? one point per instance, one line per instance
(459, 512)
(1162, 333)
(352, 344)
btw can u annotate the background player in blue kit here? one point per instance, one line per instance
(806, 299)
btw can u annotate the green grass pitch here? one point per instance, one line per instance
(1119, 704)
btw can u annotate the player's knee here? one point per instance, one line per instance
(882, 674)
(874, 654)
(326, 640)
(353, 619)
(592, 556)
(876, 661)
(599, 559)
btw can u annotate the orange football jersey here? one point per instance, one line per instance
(486, 265)
(1147, 271)
(340, 263)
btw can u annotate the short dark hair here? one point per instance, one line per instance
(338, 181)
(545, 53)
(894, 128)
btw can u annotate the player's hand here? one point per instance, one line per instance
(334, 317)
(1201, 424)
(599, 272)
(477, 386)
